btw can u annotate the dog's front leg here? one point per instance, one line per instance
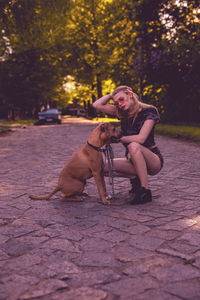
(101, 186)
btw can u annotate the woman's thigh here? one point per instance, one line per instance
(152, 160)
(123, 167)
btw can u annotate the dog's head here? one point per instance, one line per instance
(112, 133)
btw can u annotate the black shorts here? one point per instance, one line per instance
(156, 150)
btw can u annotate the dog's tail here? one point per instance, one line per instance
(47, 196)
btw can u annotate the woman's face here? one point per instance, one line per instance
(123, 101)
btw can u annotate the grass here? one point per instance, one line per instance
(4, 129)
(6, 125)
(191, 133)
(17, 122)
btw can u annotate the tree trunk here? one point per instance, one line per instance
(99, 87)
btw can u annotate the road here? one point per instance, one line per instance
(88, 251)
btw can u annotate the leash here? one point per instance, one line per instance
(109, 156)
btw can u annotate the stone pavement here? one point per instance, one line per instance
(87, 251)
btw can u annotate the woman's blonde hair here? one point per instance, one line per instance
(138, 105)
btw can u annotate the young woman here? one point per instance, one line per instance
(137, 123)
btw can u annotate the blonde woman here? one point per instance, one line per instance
(138, 121)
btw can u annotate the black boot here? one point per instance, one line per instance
(142, 196)
(135, 183)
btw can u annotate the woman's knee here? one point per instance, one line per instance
(134, 148)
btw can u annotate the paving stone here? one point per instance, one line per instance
(23, 262)
(175, 253)
(3, 293)
(34, 240)
(183, 247)
(15, 248)
(134, 271)
(121, 224)
(96, 277)
(131, 254)
(179, 224)
(189, 289)
(155, 294)
(84, 293)
(44, 288)
(113, 236)
(138, 218)
(65, 250)
(72, 235)
(3, 239)
(146, 243)
(131, 286)
(137, 229)
(97, 259)
(96, 229)
(94, 244)
(63, 267)
(58, 243)
(191, 238)
(177, 272)
(17, 284)
(161, 221)
(10, 213)
(3, 255)
(163, 234)
(14, 232)
(83, 225)
(146, 264)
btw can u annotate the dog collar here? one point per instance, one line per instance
(96, 148)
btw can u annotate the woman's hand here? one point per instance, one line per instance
(125, 139)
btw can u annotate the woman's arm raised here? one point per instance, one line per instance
(101, 105)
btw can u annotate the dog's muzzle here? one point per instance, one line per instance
(115, 139)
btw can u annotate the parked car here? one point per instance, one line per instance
(49, 116)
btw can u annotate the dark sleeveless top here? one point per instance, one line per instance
(130, 128)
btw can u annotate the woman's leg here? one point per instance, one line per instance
(122, 168)
(145, 162)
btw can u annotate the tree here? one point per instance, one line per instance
(138, 43)
(177, 66)
(32, 73)
(88, 35)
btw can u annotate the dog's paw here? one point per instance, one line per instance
(106, 202)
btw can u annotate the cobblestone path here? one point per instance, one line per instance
(87, 251)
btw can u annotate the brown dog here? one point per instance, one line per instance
(85, 163)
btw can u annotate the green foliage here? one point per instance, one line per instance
(32, 74)
(34, 23)
(88, 38)
(186, 132)
(181, 69)
(149, 45)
